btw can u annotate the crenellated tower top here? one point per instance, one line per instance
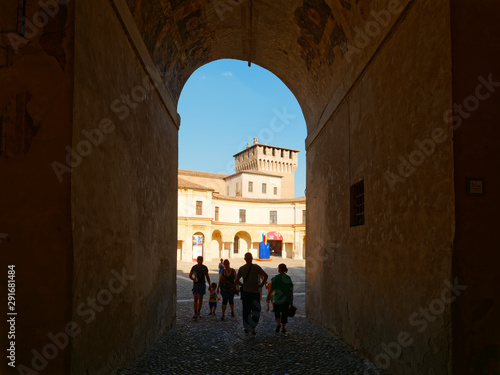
(269, 159)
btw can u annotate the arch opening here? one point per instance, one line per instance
(228, 109)
(240, 126)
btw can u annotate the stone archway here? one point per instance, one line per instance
(97, 182)
(244, 242)
(216, 246)
(343, 89)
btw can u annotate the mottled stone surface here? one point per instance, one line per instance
(123, 196)
(476, 324)
(36, 108)
(370, 281)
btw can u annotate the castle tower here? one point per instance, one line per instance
(271, 160)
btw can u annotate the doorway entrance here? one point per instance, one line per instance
(276, 248)
(275, 240)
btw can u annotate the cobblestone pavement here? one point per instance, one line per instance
(211, 346)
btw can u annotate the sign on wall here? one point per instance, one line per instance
(274, 236)
(197, 246)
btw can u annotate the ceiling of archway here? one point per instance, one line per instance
(311, 45)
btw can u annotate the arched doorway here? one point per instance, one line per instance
(216, 245)
(345, 93)
(242, 243)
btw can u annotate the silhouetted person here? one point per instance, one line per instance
(228, 288)
(221, 266)
(250, 295)
(212, 299)
(283, 296)
(199, 272)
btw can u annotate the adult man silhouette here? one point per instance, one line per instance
(250, 296)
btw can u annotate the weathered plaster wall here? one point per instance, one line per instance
(123, 195)
(367, 283)
(476, 323)
(35, 126)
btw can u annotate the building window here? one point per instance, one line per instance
(290, 154)
(275, 190)
(227, 190)
(264, 188)
(243, 216)
(250, 186)
(273, 217)
(216, 213)
(264, 150)
(274, 151)
(199, 208)
(303, 216)
(236, 245)
(358, 204)
(282, 153)
(238, 192)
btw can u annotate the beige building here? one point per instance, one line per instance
(224, 216)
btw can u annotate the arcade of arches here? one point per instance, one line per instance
(88, 159)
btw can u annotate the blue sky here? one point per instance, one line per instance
(224, 105)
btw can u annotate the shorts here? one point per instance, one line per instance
(199, 289)
(212, 304)
(227, 297)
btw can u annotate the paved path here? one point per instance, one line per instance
(212, 346)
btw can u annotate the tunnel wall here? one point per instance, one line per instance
(476, 327)
(124, 191)
(369, 283)
(36, 85)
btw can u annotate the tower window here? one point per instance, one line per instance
(199, 208)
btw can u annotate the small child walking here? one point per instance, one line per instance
(212, 300)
